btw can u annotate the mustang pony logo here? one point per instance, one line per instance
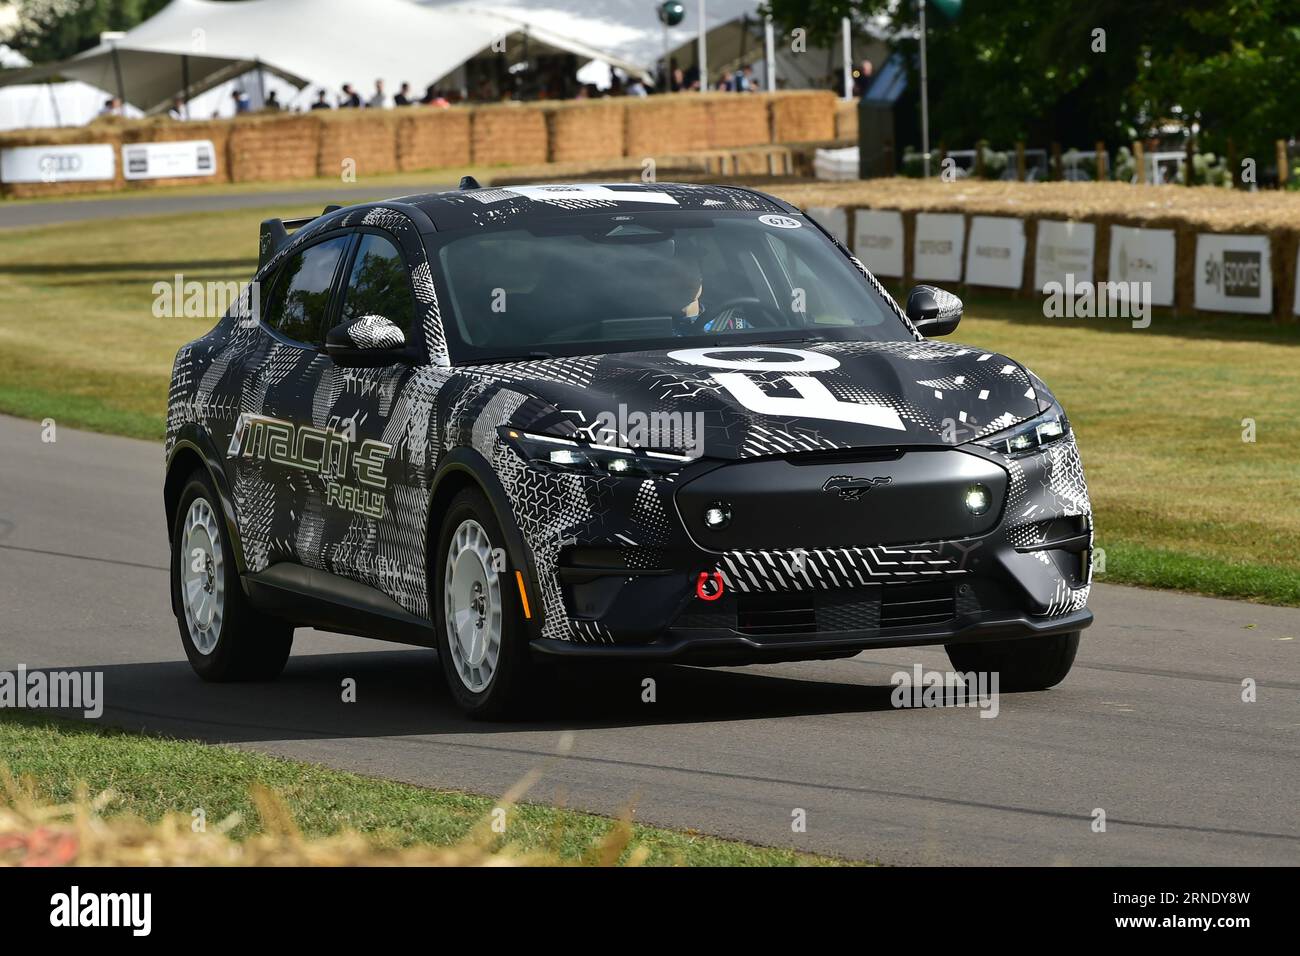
(850, 488)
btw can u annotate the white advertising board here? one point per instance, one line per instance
(1233, 274)
(835, 219)
(995, 254)
(878, 241)
(193, 157)
(937, 246)
(1063, 249)
(57, 164)
(1143, 255)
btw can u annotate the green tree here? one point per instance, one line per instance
(47, 30)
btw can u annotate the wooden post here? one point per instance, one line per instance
(1282, 171)
(1056, 172)
(1140, 158)
(979, 158)
(1020, 162)
(1103, 162)
(1234, 170)
(1189, 177)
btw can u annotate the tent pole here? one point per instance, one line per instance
(703, 53)
(117, 70)
(847, 26)
(769, 53)
(185, 86)
(261, 82)
(54, 103)
(925, 102)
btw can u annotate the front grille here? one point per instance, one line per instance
(760, 614)
(855, 610)
(917, 605)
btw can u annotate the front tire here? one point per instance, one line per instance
(1029, 663)
(225, 639)
(482, 642)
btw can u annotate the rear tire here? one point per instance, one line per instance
(1029, 663)
(225, 639)
(482, 641)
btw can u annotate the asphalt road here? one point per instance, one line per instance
(18, 215)
(1150, 726)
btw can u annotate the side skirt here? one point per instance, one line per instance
(307, 597)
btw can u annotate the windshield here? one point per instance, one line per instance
(617, 282)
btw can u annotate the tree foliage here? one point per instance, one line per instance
(1076, 71)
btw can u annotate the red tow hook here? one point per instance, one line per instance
(708, 587)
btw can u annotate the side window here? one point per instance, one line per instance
(379, 284)
(302, 291)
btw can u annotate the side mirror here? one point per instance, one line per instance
(933, 311)
(366, 341)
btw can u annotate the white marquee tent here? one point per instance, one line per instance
(317, 42)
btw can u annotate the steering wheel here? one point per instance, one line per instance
(747, 306)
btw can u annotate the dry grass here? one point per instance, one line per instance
(78, 833)
(1223, 210)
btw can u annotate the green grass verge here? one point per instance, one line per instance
(154, 776)
(1180, 500)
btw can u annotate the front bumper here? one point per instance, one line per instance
(1021, 569)
(717, 646)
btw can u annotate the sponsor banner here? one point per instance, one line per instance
(1063, 249)
(995, 255)
(57, 164)
(1295, 307)
(1143, 255)
(835, 220)
(192, 157)
(569, 192)
(878, 241)
(1233, 274)
(937, 246)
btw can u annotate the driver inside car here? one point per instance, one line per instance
(693, 318)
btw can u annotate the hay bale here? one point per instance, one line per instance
(846, 120)
(508, 134)
(363, 141)
(273, 147)
(580, 131)
(803, 116)
(666, 124)
(431, 138)
(738, 120)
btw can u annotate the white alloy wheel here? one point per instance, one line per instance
(472, 605)
(203, 576)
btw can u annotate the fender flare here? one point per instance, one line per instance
(464, 462)
(191, 437)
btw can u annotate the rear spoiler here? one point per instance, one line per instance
(275, 234)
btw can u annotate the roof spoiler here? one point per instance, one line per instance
(275, 233)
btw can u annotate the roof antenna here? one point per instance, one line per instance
(469, 182)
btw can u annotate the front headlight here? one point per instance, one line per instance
(574, 456)
(1029, 436)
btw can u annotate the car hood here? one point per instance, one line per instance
(743, 402)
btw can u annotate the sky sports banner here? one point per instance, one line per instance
(1063, 249)
(1143, 255)
(1233, 274)
(937, 246)
(835, 220)
(183, 158)
(878, 241)
(995, 253)
(57, 164)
